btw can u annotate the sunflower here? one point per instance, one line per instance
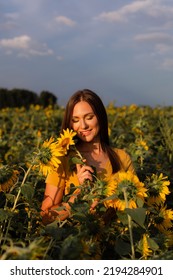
(137, 130)
(157, 189)
(8, 177)
(48, 156)
(146, 251)
(66, 139)
(163, 219)
(121, 184)
(142, 144)
(169, 237)
(90, 249)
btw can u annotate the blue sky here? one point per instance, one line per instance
(122, 50)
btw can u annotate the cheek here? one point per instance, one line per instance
(96, 125)
(74, 126)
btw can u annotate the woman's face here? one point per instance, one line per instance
(84, 122)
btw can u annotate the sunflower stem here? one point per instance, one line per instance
(78, 153)
(129, 225)
(20, 189)
(3, 239)
(48, 248)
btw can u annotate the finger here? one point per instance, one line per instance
(82, 168)
(84, 176)
(87, 175)
(78, 167)
(87, 168)
(94, 204)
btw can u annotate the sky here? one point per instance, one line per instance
(121, 49)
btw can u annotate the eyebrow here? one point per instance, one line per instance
(83, 115)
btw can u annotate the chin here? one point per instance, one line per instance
(86, 139)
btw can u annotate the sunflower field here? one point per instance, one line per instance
(134, 216)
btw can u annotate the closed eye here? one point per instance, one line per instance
(90, 117)
(87, 117)
(75, 120)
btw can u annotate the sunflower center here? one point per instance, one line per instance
(129, 188)
(45, 155)
(5, 174)
(155, 190)
(159, 220)
(65, 142)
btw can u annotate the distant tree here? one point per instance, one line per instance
(22, 97)
(47, 98)
(17, 98)
(3, 97)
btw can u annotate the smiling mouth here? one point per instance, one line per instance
(85, 133)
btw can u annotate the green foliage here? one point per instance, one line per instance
(144, 132)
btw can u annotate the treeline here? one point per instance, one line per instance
(24, 98)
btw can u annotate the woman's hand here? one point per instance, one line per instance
(93, 205)
(84, 172)
(47, 217)
(53, 213)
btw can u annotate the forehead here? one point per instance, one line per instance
(82, 108)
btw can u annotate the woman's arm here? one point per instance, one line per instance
(52, 196)
(52, 200)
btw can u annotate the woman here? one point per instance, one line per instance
(86, 115)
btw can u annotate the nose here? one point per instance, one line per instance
(83, 124)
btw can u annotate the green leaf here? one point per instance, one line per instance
(140, 202)
(76, 160)
(122, 216)
(153, 245)
(4, 215)
(122, 247)
(138, 215)
(60, 208)
(102, 208)
(28, 191)
(54, 231)
(111, 197)
(10, 197)
(79, 217)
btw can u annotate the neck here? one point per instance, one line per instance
(90, 147)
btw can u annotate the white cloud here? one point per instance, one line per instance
(65, 21)
(161, 43)
(40, 52)
(154, 37)
(8, 21)
(122, 13)
(157, 44)
(152, 8)
(25, 46)
(160, 10)
(21, 42)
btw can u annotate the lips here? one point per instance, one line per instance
(85, 133)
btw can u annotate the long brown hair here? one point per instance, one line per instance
(97, 105)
